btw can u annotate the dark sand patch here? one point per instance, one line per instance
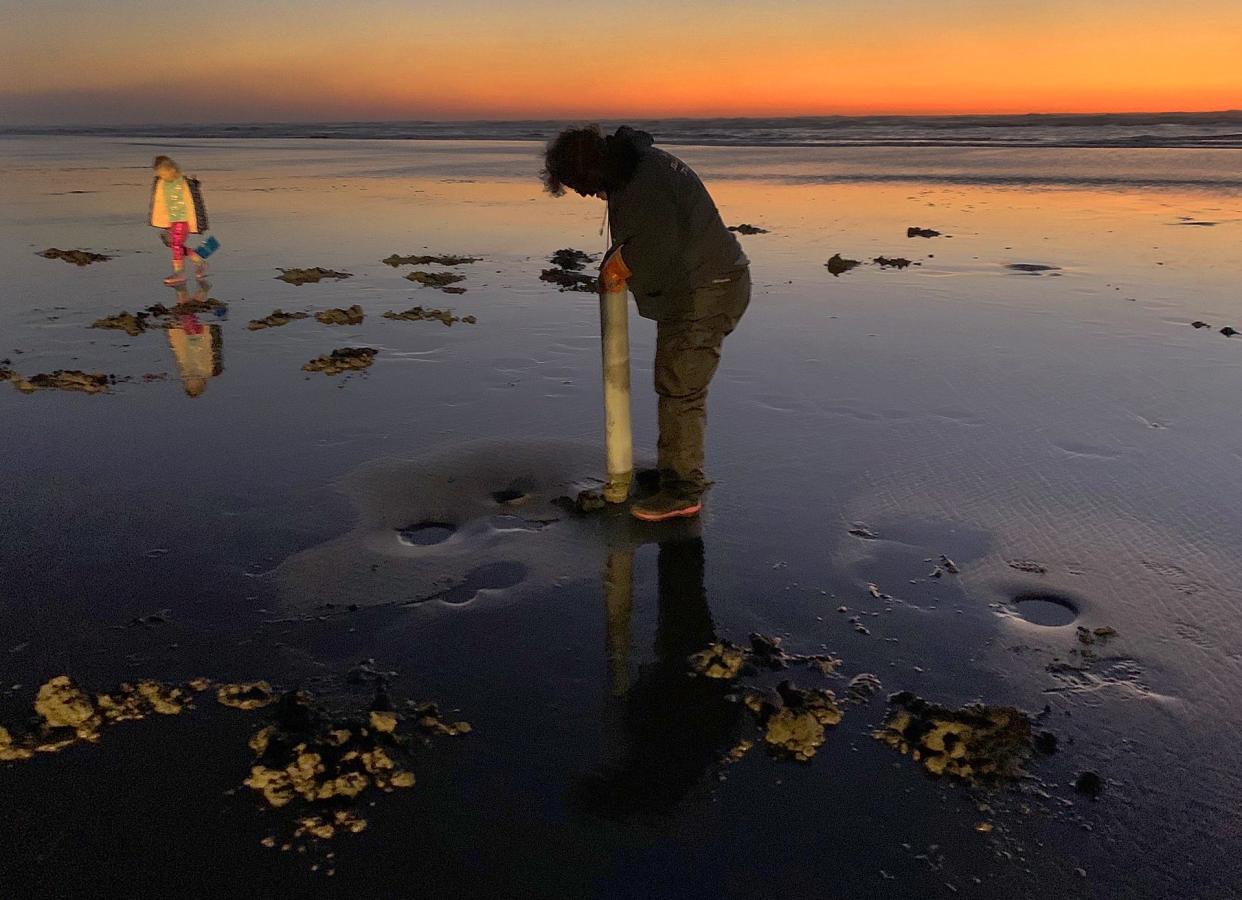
(276, 319)
(1032, 268)
(338, 316)
(419, 314)
(77, 257)
(345, 359)
(309, 276)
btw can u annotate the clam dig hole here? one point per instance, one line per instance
(424, 534)
(1046, 609)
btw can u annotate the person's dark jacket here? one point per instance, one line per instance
(672, 236)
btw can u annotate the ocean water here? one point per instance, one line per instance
(1212, 129)
(1028, 398)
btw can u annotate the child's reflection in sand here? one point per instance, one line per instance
(198, 348)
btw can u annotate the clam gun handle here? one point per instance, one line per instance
(618, 436)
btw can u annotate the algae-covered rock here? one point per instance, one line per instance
(77, 257)
(277, 318)
(444, 260)
(337, 316)
(344, 359)
(973, 742)
(309, 276)
(435, 279)
(246, 695)
(838, 264)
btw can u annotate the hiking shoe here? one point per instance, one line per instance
(664, 506)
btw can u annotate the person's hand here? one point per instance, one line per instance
(613, 273)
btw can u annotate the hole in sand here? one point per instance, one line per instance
(424, 534)
(509, 496)
(1046, 609)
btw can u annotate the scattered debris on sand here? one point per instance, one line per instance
(839, 264)
(338, 316)
(567, 280)
(970, 743)
(419, 314)
(132, 324)
(1030, 566)
(891, 262)
(441, 280)
(309, 276)
(277, 318)
(344, 359)
(1229, 331)
(915, 231)
(77, 257)
(60, 380)
(746, 228)
(445, 260)
(1032, 268)
(571, 259)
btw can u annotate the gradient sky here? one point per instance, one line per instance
(136, 61)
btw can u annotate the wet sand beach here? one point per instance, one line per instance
(1008, 473)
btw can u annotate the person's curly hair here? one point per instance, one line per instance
(572, 158)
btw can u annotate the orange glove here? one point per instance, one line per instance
(613, 273)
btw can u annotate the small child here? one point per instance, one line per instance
(177, 206)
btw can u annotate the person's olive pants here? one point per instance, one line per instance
(687, 354)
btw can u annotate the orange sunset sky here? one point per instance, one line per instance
(75, 62)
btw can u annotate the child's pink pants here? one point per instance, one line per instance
(177, 233)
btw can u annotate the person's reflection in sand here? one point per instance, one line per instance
(198, 348)
(674, 727)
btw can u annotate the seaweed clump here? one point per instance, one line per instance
(77, 257)
(131, 323)
(60, 380)
(440, 280)
(344, 359)
(567, 273)
(746, 228)
(915, 231)
(445, 260)
(309, 276)
(970, 743)
(419, 314)
(838, 264)
(67, 715)
(337, 316)
(277, 318)
(797, 727)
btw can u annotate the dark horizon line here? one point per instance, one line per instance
(747, 118)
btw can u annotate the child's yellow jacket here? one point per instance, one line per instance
(196, 209)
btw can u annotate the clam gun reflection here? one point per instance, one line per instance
(664, 730)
